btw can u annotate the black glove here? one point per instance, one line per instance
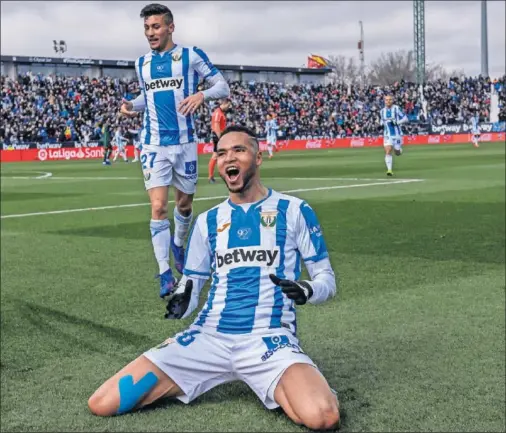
(178, 302)
(299, 291)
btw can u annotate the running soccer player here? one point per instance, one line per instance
(391, 118)
(218, 124)
(271, 128)
(475, 130)
(251, 246)
(168, 77)
(120, 142)
(106, 142)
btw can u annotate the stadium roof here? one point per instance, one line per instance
(130, 64)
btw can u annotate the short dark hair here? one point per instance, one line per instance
(157, 9)
(245, 130)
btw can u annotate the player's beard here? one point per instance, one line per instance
(247, 177)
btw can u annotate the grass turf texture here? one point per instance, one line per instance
(415, 340)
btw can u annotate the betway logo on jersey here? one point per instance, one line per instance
(247, 257)
(161, 84)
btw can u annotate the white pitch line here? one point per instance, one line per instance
(47, 175)
(119, 206)
(44, 175)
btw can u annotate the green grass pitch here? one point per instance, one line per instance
(414, 341)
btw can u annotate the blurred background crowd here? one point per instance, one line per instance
(38, 108)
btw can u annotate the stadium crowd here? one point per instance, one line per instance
(37, 108)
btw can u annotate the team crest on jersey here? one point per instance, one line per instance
(268, 218)
(176, 57)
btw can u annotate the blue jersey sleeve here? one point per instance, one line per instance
(202, 65)
(310, 242)
(198, 253)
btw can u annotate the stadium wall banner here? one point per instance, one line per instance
(462, 128)
(76, 151)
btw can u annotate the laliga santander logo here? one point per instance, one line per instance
(68, 154)
(42, 154)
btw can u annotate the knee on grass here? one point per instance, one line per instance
(101, 405)
(322, 415)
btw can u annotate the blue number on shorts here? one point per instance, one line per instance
(187, 338)
(144, 159)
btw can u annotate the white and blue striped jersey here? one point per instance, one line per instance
(271, 127)
(165, 80)
(388, 117)
(238, 246)
(475, 127)
(119, 139)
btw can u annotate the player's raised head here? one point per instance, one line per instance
(239, 158)
(158, 25)
(389, 100)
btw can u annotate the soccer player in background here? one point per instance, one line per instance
(251, 246)
(271, 128)
(218, 124)
(135, 134)
(475, 129)
(391, 119)
(168, 78)
(106, 142)
(120, 142)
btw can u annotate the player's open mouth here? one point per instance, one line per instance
(232, 173)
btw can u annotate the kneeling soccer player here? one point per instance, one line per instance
(251, 246)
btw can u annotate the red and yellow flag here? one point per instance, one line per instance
(315, 62)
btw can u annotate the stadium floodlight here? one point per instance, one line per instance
(59, 47)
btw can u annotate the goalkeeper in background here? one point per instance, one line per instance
(106, 142)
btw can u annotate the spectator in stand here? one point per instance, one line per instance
(37, 108)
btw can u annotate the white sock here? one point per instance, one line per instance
(115, 155)
(160, 237)
(124, 156)
(181, 227)
(270, 150)
(388, 161)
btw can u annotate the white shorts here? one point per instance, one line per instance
(120, 146)
(170, 166)
(271, 141)
(138, 145)
(197, 362)
(395, 142)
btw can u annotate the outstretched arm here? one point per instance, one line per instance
(197, 269)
